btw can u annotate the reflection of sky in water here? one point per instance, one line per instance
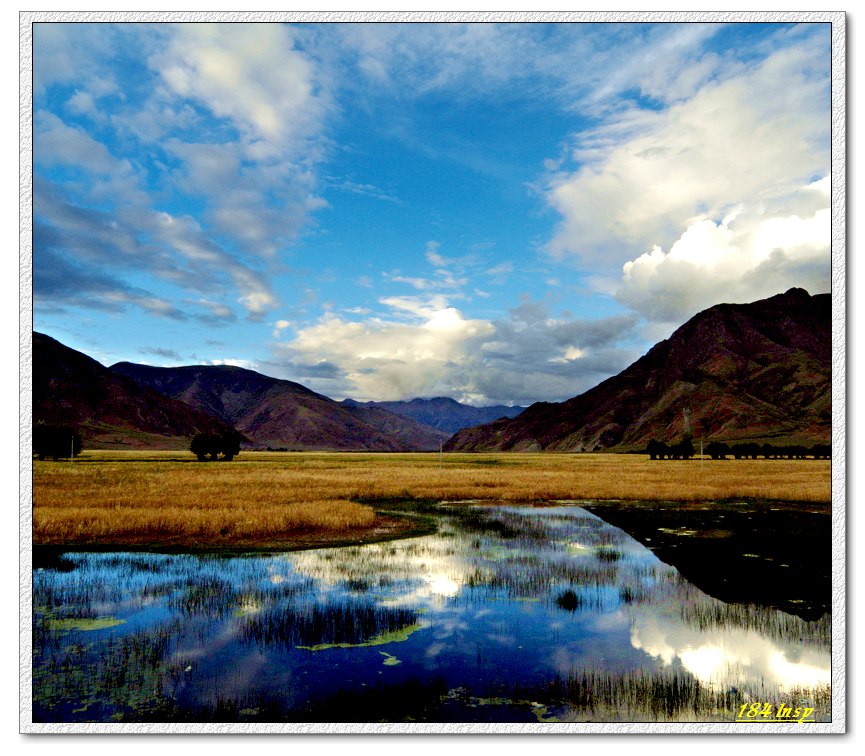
(500, 596)
(723, 657)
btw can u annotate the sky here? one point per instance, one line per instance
(500, 213)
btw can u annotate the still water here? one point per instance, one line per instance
(506, 614)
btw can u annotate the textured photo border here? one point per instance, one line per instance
(839, 362)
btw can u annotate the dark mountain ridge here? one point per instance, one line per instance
(758, 371)
(283, 414)
(107, 409)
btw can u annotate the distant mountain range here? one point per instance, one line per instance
(443, 413)
(759, 371)
(283, 414)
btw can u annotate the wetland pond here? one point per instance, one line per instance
(504, 614)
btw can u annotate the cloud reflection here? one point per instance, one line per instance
(724, 657)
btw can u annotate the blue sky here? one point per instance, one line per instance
(500, 213)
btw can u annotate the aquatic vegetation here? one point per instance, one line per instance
(655, 695)
(337, 625)
(608, 555)
(84, 624)
(389, 659)
(569, 601)
(382, 639)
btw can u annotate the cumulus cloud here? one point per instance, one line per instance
(63, 58)
(720, 196)
(426, 347)
(753, 138)
(410, 354)
(744, 257)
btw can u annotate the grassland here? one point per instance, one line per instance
(286, 500)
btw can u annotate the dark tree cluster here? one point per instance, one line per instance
(213, 446)
(768, 451)
(720, 450)
(55, 442)
(660, 450)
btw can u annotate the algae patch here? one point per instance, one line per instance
(389, 659)
(83, 624)
(394, 636)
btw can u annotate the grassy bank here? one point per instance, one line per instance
(295, 499)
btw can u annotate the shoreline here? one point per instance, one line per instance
(390, 527)
(392, 524)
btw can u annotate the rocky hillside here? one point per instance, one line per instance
(110, 411)
(283, 414)
(758, 371)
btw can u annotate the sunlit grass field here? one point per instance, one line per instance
(157, 498)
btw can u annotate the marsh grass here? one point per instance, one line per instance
(160, 497)
(339, 624)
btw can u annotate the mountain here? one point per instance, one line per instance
(442, 412)
(107, 409)
(759, 371)
(283, 414)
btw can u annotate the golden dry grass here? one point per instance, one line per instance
(161, 497)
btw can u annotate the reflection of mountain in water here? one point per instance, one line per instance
(767, 554)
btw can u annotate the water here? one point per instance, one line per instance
(506, 614)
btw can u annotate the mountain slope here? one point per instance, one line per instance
(283, 414)
(752, 371)
(446, 414)
(109, 410)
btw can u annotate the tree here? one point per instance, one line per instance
(212, 446)
(56, 442)
(717, 450)
(684, 449)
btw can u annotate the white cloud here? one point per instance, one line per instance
(248, 73)
(390, 359)
(747, 256)
(752, 138)
(724, 657)
(227, 119)
(58, 144)
(498, 274)
(426, 347)
(70, 52)
(279, 326)
(579, 66)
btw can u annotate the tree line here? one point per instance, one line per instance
(62, 442)
(720, 450)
